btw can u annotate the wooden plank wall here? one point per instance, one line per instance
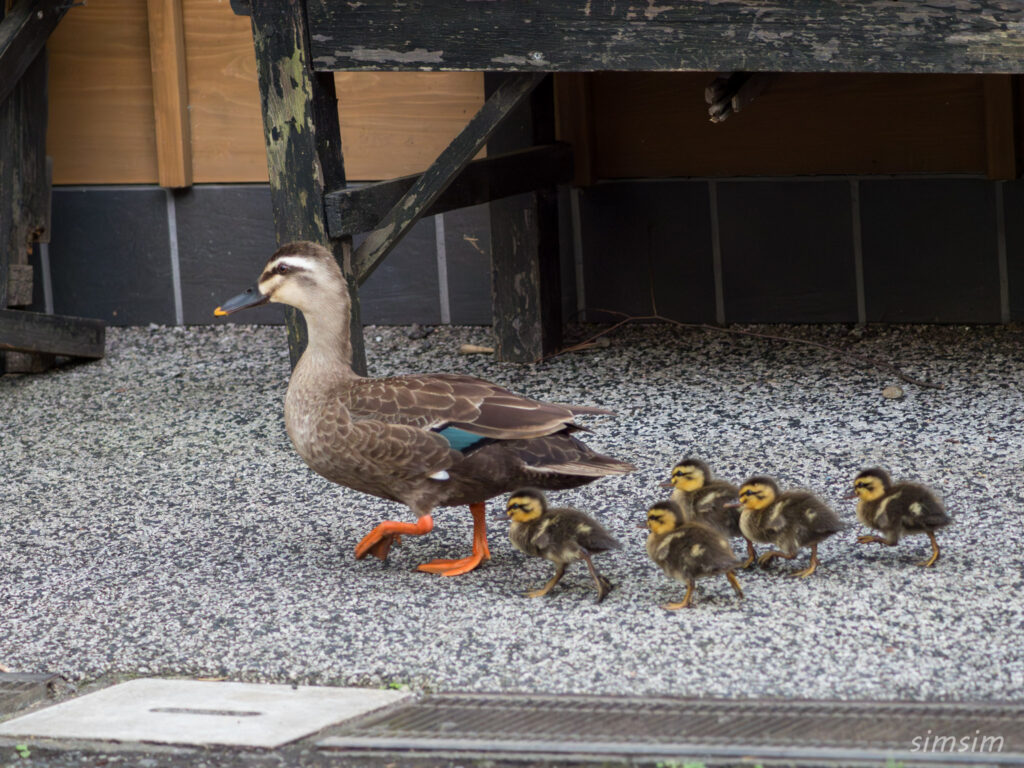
(102, 112)
(622, 124)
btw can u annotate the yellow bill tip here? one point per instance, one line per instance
(220, 312)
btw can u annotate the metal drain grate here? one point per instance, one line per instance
(661, 727)
(19, 690)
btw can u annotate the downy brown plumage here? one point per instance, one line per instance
(687, 551)
(788, 521)
(897, 509)
(559, 534)
(422, 440)
(706, 499)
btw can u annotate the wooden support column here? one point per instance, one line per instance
(170, 93)
(300, 126)
(1000, 128)
(525, 271)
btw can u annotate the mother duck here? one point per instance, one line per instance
(425, 441)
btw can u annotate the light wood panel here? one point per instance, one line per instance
(101, 98)
(656, 125)
(170, 93)
(224, 99)
(397, 123)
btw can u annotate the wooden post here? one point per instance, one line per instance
(525, 272)
(23, 178)
(304, 159)
(170, 93)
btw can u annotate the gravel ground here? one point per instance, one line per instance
(154, 520)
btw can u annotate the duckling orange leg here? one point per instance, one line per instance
(685, 602)
(771, 554)
(603, 585)
(481, 551)
(731, 576)
(378, 541)
(559, 572)
(935, 552)
(811, 568)
(751, 554)
(871, 540)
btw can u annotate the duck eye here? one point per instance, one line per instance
(282, 269)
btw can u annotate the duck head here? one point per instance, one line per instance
(757, 493)
(526, 505)
(689, 475)
(301, 274)
(871, 484)
(663, 517)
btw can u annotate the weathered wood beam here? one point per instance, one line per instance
(978, 36)
(22, 331)
(300, 126)
(360, 209)
(526, 287)
(436, 179)
(23, 33)
(170, 93)
(1000, 127)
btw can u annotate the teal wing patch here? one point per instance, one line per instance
(461, 440)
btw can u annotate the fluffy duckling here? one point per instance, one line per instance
(897, 509)
(788, 520)
(561, 535)
(704, 498)
(687, 550)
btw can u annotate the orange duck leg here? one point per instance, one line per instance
(378, 541)
(480, 550)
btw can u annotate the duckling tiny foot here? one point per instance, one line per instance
(869, 539)
(605, 588)
(929, 562)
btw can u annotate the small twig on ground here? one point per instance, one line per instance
(655, 317)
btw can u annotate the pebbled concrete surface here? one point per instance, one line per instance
(154, 520)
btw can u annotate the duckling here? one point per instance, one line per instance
(427, 440)
(897, 509)
(561, 535)
(704, 498)
(789, 520)
(687, 550)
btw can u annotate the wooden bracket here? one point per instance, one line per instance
(170, 93)
(361, 209)
(431, 184)
(22, 331)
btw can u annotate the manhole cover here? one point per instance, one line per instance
(199, 712)
(660, 727)
(19, 690)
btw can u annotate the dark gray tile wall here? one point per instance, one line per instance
(930, 251)
(110, 256)
(786, 251)
(644, 238)
(1013, 202)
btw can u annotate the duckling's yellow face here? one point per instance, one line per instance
(687, 477)
(523, 509)
(660, 521)
(869, 488)
(756, 495)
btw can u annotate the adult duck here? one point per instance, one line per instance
(426, 441)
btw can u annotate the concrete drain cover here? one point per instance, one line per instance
(200, 713)
(801, 731)
(19, 690)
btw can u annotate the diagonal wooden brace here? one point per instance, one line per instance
(456, 156)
